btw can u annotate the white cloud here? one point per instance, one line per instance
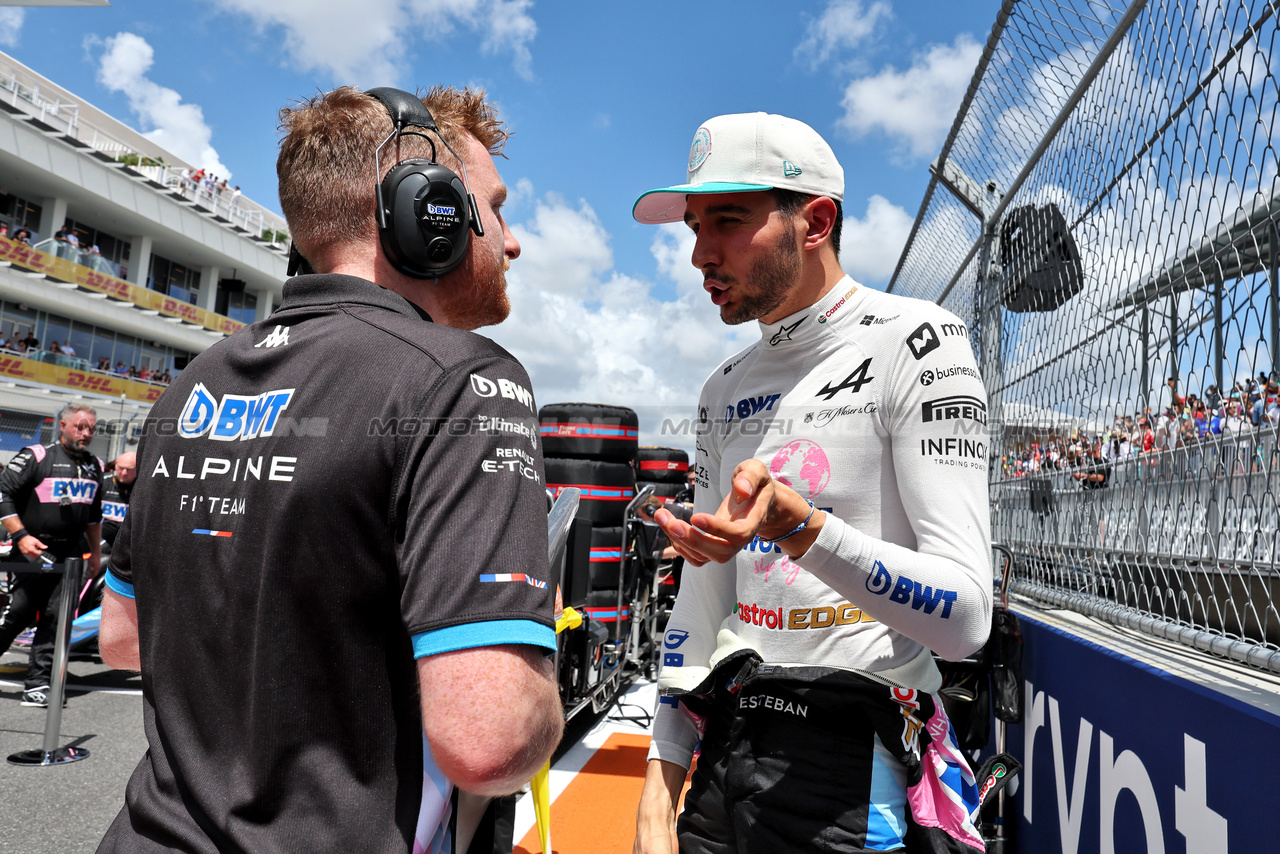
(319, 34)
(10, 25)
(869, 247)
(843, 25)
(176, 126)
(915, 106)
(587, 332)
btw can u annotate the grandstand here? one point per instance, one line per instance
(165, 263)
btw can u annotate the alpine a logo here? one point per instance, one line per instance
(904, 591)
(784, 332)
(923, 341)
(277, 338)
(485, 387)
(234, 416)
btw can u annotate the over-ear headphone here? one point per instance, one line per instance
(424, 210)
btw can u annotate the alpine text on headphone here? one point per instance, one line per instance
(424, 210)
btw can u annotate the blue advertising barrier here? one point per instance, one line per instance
(1122, 757)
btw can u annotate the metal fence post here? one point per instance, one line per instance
(51, 754)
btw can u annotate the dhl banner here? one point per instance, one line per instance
(17, 367)
(24, 256)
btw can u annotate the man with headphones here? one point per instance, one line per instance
(297, 646)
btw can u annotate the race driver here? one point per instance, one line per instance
(840, 533)
(295, 642)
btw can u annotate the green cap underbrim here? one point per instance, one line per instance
(649, 209)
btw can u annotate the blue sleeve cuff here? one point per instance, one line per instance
(472, 635)
(120, 588)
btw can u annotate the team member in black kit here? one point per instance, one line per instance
(295, 642)
(51, 503)
(117, 486)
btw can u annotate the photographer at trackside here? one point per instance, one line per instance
(297, 643)
(51, 505)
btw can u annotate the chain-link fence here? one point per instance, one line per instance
(1104, 216)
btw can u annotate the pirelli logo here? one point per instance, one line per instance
(952, 408)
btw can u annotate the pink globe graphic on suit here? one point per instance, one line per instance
(802, 462)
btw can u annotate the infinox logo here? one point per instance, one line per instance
(904, 591)
(234, 416)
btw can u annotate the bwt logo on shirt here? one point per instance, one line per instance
(234, 417)
(905, 591)
(485, 387)
(78, 490)
(749, 406)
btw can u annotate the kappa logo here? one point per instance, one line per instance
(485, 387)
(233, 417)
(923, 341)
(784, 332)
(276, 338)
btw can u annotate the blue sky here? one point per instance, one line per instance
(604, 99)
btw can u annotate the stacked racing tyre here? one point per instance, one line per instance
(665, 469)
(592, 446)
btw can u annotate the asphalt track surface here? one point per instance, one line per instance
(66, 809)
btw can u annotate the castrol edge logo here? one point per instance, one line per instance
(829, 312)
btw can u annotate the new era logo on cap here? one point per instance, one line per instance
(749, 152)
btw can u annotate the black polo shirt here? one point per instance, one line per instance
(321, 498)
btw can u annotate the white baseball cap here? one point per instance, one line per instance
(749, 152)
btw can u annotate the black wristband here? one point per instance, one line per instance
(18, 535)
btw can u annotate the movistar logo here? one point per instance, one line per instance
(790, 170)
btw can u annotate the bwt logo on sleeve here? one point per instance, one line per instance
(485, 387)
(905, 591)
(234, 417)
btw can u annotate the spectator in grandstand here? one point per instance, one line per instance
(67, 349)
(55, 348)
(1094, 470)
(104, 363)
(763, 200)
(1212, 398)
(235, 197)
(346, 658)
(63, 234)
(24, 235)
(50, 503)
(4, 229)
(121, 369)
